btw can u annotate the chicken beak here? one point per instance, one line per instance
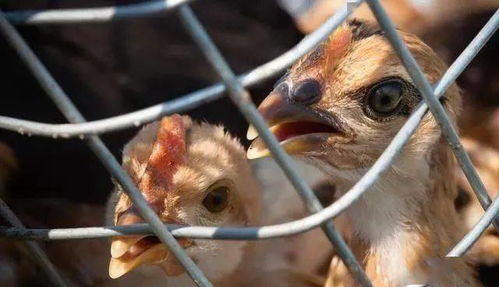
(122, 261)
(128, 253)
(258, 148)
(276, 110)
(252, 133)
(120, 246)
(120, 266)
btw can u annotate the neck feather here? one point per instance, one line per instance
(403, 227)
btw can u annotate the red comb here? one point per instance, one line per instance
(167, 155)
(336, 47)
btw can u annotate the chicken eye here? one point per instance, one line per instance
(385, 98)
(217, 199)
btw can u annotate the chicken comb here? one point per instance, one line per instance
(336, 47)
(168, 153)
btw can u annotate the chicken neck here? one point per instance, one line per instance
(402, 228)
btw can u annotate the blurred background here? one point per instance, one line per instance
(113, 68)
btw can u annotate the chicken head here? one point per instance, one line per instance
(343, 102)
(189, 173)
(338, 108)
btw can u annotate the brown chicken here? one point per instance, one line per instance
(196, 174)
(338, 108)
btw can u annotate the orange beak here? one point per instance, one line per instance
(297, 127)
(128, 253)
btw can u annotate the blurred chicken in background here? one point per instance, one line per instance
(410, 15)
(486, 161)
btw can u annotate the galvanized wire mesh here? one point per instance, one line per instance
(234, 85)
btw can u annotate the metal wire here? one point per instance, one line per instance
(35, 251)
(182, 104)
(101, 14)
(433, 103)
(55, 92)
(242, 100)
(477, 230)
(230, 233)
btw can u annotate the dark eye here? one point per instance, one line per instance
(385, 98)
(217, 199)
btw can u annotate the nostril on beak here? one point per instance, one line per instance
(306, 92)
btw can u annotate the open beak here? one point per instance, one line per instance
(128, 253)
(297, 127)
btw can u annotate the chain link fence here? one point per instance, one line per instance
(234, 87)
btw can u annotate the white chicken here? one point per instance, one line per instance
(197, 174)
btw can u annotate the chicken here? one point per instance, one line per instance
(197, 174)
(338, 108)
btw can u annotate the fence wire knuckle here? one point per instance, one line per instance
(236, 87)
